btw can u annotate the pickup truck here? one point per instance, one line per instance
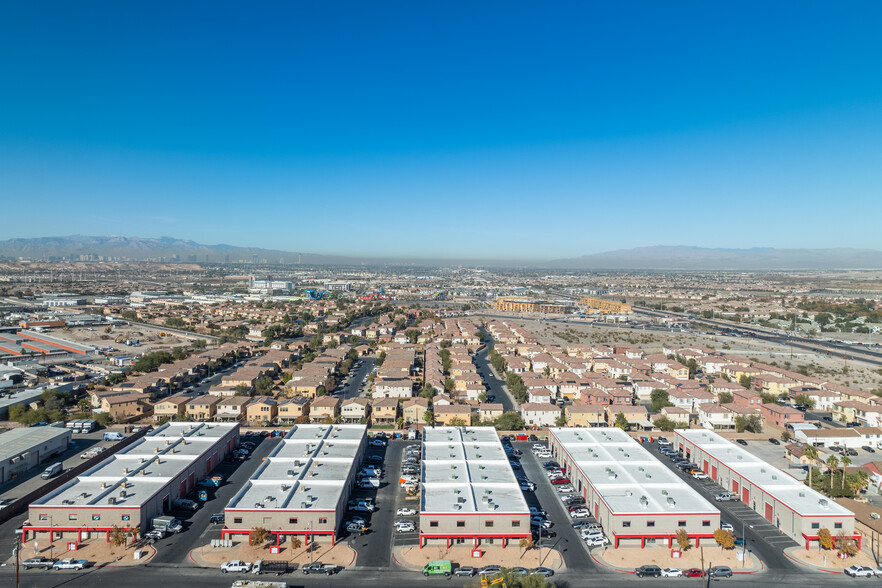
(270, 567)
(319, 568)
(38, 562)
(235, 566)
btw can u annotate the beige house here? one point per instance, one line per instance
(324, 408)
(455, 414)
(384, 411)
(203, 408)
(171, 408)
(414, 410)
(293, 410)
(353, 410)
(585, 415)
(489, 411)
(127, 407)
(261, 410)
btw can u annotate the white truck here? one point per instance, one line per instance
(236, 566)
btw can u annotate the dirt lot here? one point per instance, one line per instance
(511, 556)
(149, 338)
(852, 373)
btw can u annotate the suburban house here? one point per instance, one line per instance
(585, 415)
(231, 408)
(539, 415)
(324, 409)
(414, 410)
(126, 407)
(453, 414)
(393, 388)
(203, 408)
(261, 409)
(293, 410)
(384, 411)
(172, 408)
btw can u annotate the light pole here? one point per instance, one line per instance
(18, 533)
(51, 539)
(308, 544)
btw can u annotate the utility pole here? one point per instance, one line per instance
(18, 533)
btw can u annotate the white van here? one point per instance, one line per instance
(52, 470)
(113, 436)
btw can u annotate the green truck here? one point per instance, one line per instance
(439, 566)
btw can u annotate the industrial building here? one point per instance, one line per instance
(636, 498)
(136, 484)
(469, 494)
(794, 508)
(23, 449)
(302, 487)
(31, 343)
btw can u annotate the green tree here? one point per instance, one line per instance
(561, 420)
(844, 461)
(622, 422)
(243, 390)
(804, 399)
(725, 397)
(509, 421)
(174, 322)
(744, 380)
(751, 423)
(668, 425)
(380, 359)
(429, 417)
(178, 353)
(199, 344)
(658, 399)
(811, 453)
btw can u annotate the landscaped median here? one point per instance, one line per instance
(414, 558)
(627, 559)
(827, 560)
(212, 557)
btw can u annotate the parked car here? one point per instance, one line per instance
(405, 512)
(720, 572)
(596, 541)
(537, 512)
(38, 562)
(528, 486)
(217, 517)
(375, 458)
(859, 571)
(465, 571)
(155, 534)
(70, 563)
(741, 441)
(540, 571)
(560, 481)
(377, 443)
(723, 497)
(653, 571)
(868, 449)
(236, 566)
(490, 570)
(319, 568)
(700, 476)
(581, 513)
(671, 573)
(543, 532)
(5, 502)
(727, 527)
(774, 441)
(518, 571)
(851, 452)
(693, 573)
(566, 489)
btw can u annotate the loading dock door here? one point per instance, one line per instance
(734, 487)
(745, 496)
(704, 466)
(714, 473)
(769, 513)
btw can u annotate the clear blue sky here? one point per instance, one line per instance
(477, 129)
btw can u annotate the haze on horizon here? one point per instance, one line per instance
(498, 130)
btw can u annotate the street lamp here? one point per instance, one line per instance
(51, 538)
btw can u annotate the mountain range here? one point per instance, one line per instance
(641, 258)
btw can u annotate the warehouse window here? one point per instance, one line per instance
(516, 523)
(323, 521)
(681, 523)
(43, 517)
(816, 525)
(488, 523)
(626, 524)
(650, 523)
(460, 540)
(237, 520)
(460, 523)
(705, 523)
(96, 517)
(292, 521)
(71, 517)
(433, 523)
(837, 525)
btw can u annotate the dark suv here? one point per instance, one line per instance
(653, 571)
(720, 572)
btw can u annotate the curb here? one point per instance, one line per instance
(812, 566)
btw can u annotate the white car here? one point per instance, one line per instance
(859, 572)
(236, 566)
(671, 573)
(700, 476)
(405, 528)
(566, 489)
(405, 512)
(537, 512)
(587, 533)
(580, 514)
(727, 527)
(70, 564)
(377, 443)
(596, 541)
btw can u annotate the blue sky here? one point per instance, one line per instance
(467, 129)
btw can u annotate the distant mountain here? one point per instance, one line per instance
(163, 249)
(698, 258)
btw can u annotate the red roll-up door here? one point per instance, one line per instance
(769, 512)
(745, 495)
(734, 486)
(714, 472)
(704, 466)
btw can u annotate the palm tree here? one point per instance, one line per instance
(811, 452)
(844, 462)
(832, 462)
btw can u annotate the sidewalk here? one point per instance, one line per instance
(826, 560)
(626, 559)
(414, 558)
(211, 557)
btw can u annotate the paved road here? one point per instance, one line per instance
(567, 541)
(351, 389)
(494, 386)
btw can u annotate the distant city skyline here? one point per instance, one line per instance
(495, 131)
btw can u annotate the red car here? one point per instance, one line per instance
(693, 573)
(559, 481)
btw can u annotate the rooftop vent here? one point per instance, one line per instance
(671, 502)
(457, 506)
(122, 493)
(111, 500)
(823, 503)
(644, 501)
